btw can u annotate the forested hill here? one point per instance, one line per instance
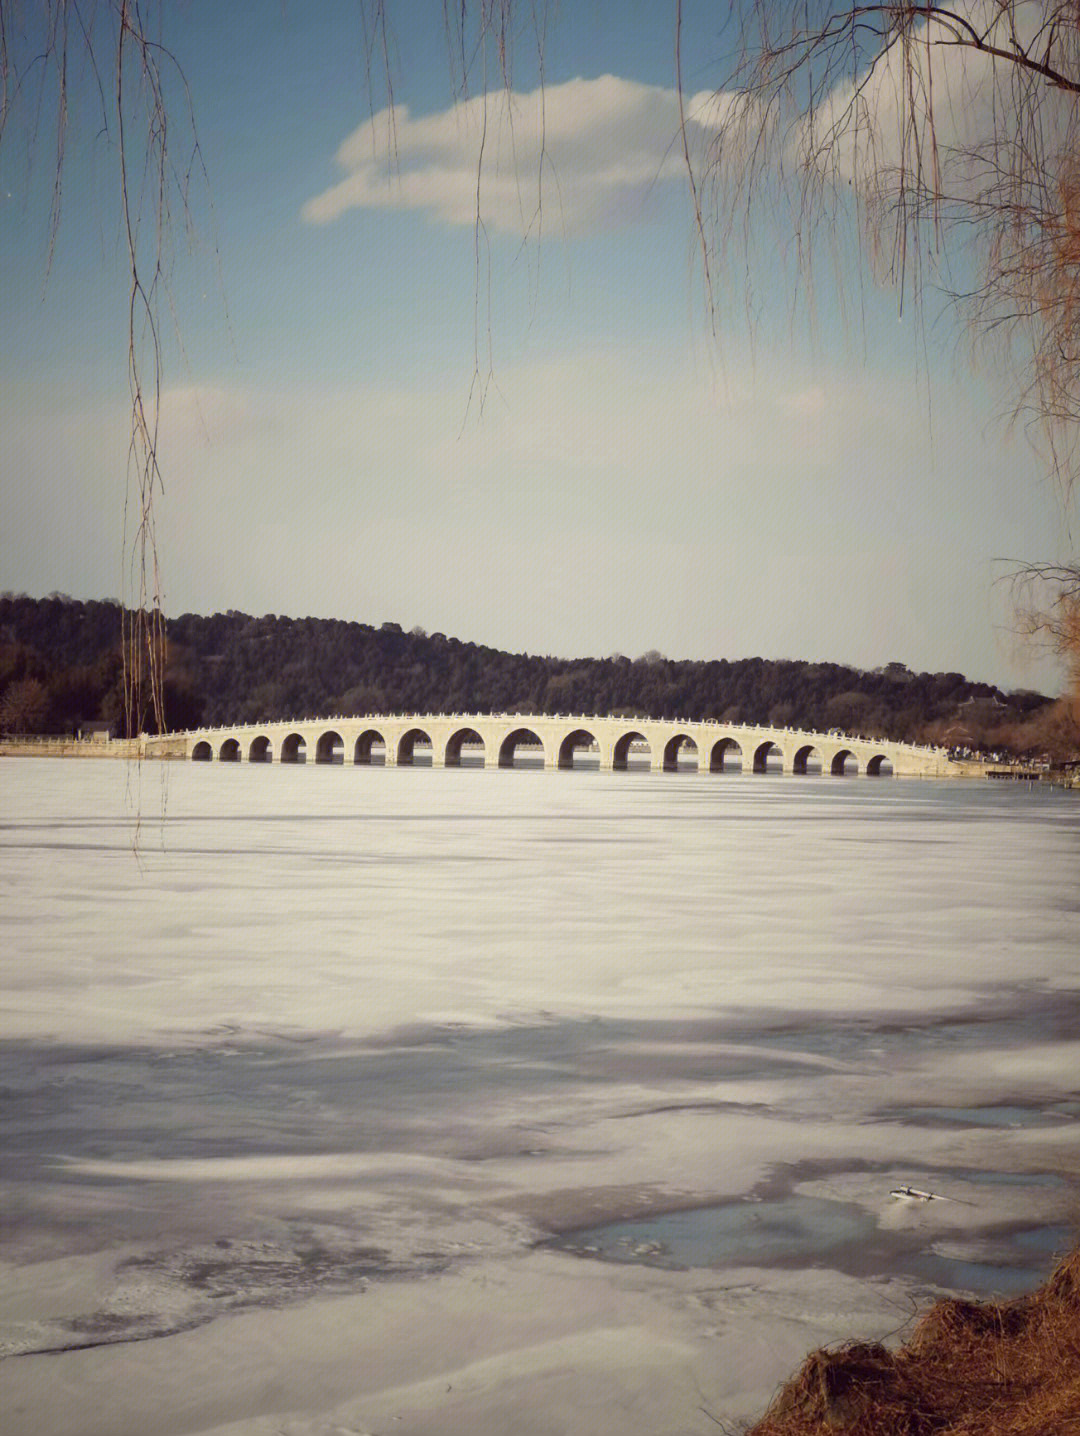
(60, 664)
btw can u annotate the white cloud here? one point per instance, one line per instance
(586, 154)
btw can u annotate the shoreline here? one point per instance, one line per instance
(987, 1367)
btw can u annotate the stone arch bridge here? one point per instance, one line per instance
(445, 740)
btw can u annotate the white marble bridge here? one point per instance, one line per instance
(445, 740)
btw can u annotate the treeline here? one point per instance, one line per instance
(61, 666)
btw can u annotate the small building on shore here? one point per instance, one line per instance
(97, 730)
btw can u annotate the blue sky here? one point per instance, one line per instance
(836, 489)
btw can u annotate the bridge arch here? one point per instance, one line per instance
(844, 764)
(763, 752)
(879, 766)
(720, 751)
(621, 751)
(455, 743)
(365, 745)
(330, 748)
(576, 742)
(808, 759)
(230, 751)
(408, 743)
(294, 749)
(202, 752)
(510, 744)
(674, 746)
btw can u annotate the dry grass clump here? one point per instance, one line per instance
(970, 1369)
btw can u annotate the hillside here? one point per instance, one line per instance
(60, 665)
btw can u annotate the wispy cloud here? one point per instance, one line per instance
(206, 413)
(584, 155)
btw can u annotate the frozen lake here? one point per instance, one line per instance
(359, 1100)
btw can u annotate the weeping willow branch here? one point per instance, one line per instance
(55, 54)
(949, 137)
(143, 645)
(952, 136)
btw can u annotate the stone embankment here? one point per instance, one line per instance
(35, 746)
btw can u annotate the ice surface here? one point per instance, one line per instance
(317, 1061)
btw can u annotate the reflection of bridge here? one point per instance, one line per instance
(500, 739)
